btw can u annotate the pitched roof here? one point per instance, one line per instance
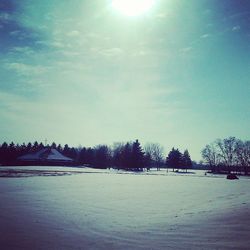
(45, 154)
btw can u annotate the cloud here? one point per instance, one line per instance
(5, 17)
(26, 50)
(73, 33)
(204, 36)
(239, 15)
(236, 28)
(15, 33)
(57, 44)
(93, 35)
(71, 67)
(111, 52)
(23, 34)
(26, 69)
(71, 53)
(146, 52)
(186, 50)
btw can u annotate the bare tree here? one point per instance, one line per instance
(227, 150)
(243, 155)
(156, 153)
(211, 156)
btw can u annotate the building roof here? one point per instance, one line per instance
(45, 154)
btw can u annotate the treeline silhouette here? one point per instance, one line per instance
(128, 156)
(228, 155)
(177, 160)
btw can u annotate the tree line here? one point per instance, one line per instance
(128, 156)
(228, 155)
(222, 155)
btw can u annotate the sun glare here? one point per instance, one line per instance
(133, 7)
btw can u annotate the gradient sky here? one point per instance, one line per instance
(81, 72)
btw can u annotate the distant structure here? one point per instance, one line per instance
(46, 156)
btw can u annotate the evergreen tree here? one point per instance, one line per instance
(23, 149)
(8, 153)
(66, 150)
(174, 159)
(40, 146)
(117, 155)
(3, 153)
(73, 153)
(89, 156)
(186, 160)
(102, 156)
(126, 154)
(28, 147)
(35, 146)
(137, 156)
(11, 153)
(82, 155)
(59, 148)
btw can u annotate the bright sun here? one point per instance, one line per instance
(133, 7)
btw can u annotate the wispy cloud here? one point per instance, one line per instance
(114, 77)
(111, 52)
(15, 33)
(239, 15)
(73, 33)
(26, 69)
(5, 17)
(57, 44)
(236, 28)
(22, 51)
(186, 50)
(205, 36)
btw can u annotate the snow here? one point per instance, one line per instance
(45, 153)
(55, 155)
(34, 156)
(111, 209)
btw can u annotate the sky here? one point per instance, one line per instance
(84, 73)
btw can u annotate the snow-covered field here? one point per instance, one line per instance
(109, 209)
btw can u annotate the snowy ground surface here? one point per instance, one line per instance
(83, 208)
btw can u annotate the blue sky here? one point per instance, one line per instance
(80, 72)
